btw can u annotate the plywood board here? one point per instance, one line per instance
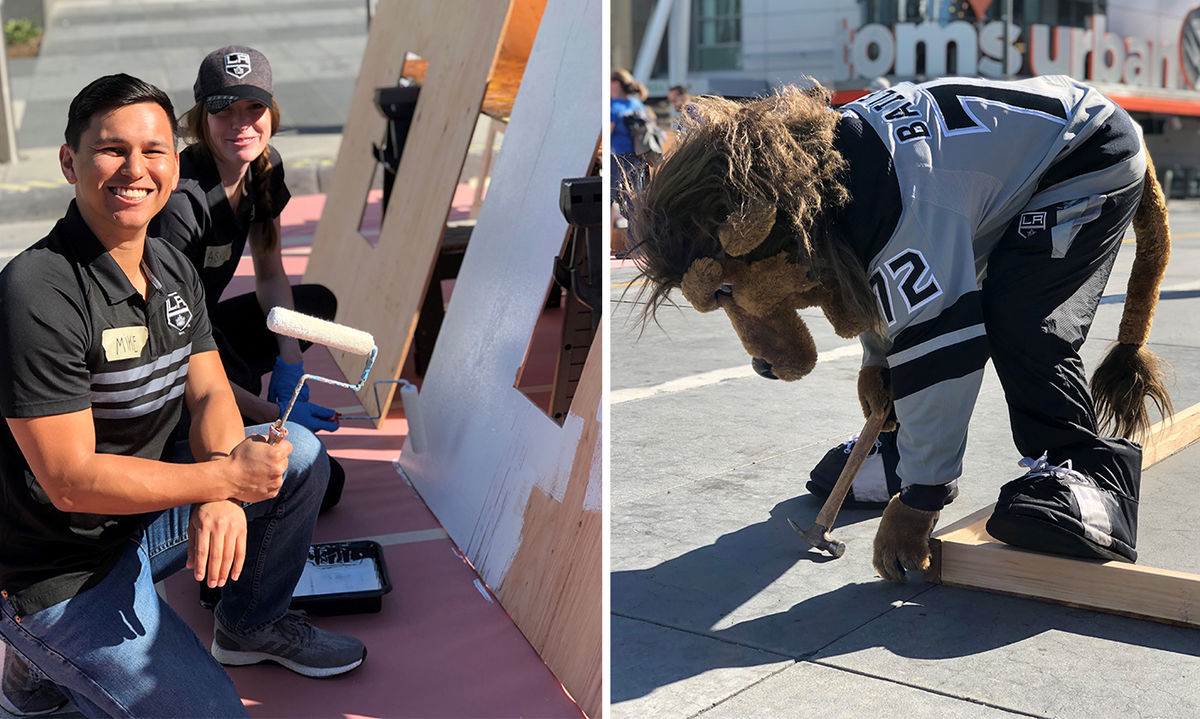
(964, 555)
(509, 65)
(519, 494)
(380, 288)
(553, 590)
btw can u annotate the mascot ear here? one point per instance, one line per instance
(763, 286)
(701, 282)
(746, 229)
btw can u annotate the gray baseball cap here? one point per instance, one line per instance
(233, 73)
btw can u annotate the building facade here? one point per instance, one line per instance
(1145, 54)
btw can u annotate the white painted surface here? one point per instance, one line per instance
(488, 446)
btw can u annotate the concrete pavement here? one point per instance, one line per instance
(719, 609)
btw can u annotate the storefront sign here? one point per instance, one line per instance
(1093, 53)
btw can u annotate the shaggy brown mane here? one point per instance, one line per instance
(730, 158)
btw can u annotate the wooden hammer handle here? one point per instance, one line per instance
(862, 447)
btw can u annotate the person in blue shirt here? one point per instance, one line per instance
(628, 170)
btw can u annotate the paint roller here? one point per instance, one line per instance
(290, 323)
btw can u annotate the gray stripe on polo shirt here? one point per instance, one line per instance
(151, 387)
(139, 410)
(145, 370)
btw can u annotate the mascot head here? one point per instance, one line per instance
(739, 216)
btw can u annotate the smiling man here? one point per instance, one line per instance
(104, 339)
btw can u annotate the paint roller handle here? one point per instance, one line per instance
(310, 415)
(276, 432)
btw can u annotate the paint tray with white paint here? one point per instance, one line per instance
(342, 578)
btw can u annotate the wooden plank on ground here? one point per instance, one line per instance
(965, 555)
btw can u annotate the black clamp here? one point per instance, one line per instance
(582, 204)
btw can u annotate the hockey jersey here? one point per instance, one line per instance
(969, 157)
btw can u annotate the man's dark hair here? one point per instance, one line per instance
(681, 89)
(109, 93)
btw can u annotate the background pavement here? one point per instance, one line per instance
(720, 610)
(315, 48)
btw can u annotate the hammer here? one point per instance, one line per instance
(818, 534)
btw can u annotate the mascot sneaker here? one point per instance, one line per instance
(876, 481)
(1056, 509)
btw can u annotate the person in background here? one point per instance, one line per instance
(231, 193)
(627, 168)
(104, 338)
(678, 96)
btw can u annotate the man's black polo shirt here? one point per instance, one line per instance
(200, 222)
(75, 334)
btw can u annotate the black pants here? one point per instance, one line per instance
(1038, 308)
(247, 348)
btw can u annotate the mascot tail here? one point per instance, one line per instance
(1130, 372)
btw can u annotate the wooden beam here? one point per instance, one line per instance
(380, 288)
(1163, 595)
(965, 555)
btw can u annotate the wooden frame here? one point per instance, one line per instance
(474, 55)
(964, 555)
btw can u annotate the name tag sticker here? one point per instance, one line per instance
(218, 255)
(121, 343)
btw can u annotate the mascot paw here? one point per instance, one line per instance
(874, 391)
(902, 542)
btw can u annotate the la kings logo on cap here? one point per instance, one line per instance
(179, 315)
(237, 64)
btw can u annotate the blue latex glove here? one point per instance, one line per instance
(312, 416)
(284, 378)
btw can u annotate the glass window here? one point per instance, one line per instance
(1073, 13)
(717, 35)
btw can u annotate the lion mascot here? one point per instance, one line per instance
(943, 224)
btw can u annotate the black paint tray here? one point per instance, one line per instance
(342, 578)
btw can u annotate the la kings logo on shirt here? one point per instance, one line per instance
(237, 64)
(179, 315)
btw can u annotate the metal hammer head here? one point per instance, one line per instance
(818, 536)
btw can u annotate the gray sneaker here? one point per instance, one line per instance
(290, 641)
(23, 690)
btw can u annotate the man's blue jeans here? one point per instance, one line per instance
(118, 650)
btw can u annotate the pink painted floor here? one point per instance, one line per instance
(441, 646)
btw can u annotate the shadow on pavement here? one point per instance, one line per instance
(695, 592)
